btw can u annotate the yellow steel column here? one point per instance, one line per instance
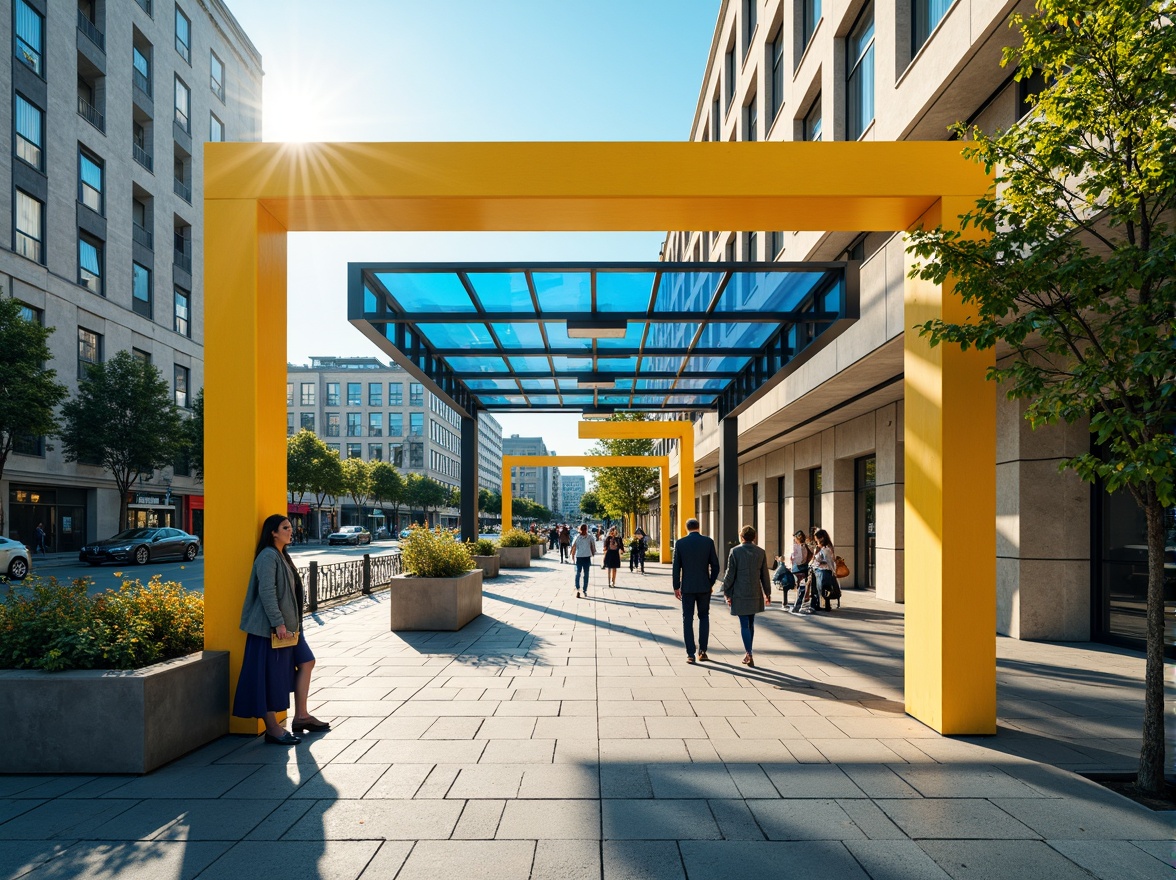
(506, 497)
(665, 515)
(950, 515)
(244, 382)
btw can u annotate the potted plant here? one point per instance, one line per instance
(132, 658)
(538, 544)
(485, 556)
(514, 549)
(441, 589)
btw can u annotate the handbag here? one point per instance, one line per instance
(840, 569)
(289, 642)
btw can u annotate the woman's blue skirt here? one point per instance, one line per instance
(267, 676)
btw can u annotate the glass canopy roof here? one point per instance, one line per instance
(662, 337)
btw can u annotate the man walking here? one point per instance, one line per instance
(695, 570)
(583, 549)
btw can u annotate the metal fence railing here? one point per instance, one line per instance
(341, 580)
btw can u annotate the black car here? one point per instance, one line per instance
(141, 546)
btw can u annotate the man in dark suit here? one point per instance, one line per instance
(696, 568)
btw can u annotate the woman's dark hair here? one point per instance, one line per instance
(267, 532)
(800, 534)
(823, 538)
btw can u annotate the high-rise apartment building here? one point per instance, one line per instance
(825, 446)
(571, 491)
(532, 482)
(109, 103)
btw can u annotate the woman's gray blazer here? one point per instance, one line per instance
(274, 596)
(746, 582)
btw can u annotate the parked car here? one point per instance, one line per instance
(14, 559)
(141, 546)
(350, 535)
(403, 534)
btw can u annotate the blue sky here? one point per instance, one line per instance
(467, 70)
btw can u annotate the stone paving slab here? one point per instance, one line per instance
(556, 739)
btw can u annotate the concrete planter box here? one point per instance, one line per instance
(113, 721)
(514, 557)
(537, 550)
(435, 604)
(488, 565)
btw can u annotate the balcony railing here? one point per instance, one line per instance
(143, 236)
(90, 113)
(183, 261)
(144, 158)
(182, 190)
(142, 83)
(90, 29)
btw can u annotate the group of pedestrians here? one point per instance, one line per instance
(810, 569)
(582, 550)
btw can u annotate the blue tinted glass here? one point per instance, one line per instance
(623, 291)
(370, 302)
(427, 291)
(631, 341)
(545, 400)
(557, 335)
(688, 292)
(716, 364)
(767, 291)
(572, 364)
(613, 399)
(519, 335)
(493, 399)
(665, 335)
(616, 364)
(577, 399)
(502, 291)
(516, 400)
(539, 385)
(729, 335)
(687, 384)
(491, 385)
(648, 399)
(655, 384)
(477, 364)
(661, 364)
(530, 364)
(687, 401)
(457, 335)
(563, 291)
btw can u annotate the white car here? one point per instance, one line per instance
(14, 559)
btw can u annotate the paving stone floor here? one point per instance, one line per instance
(564, 739)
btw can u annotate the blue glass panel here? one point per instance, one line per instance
(648, 399)
(767, 291)
(474, 336)
(617, 364)
(545, 400)
(666, 335)
(623, 291)
(721, 334)
(557, 335)
(502, 291)
(689, 292)
(477, 364)
(687, 384)
(655, 384)
(716, 364)
(563, 291)
(370, 302)
(427, 291)
(661, 364)
(539, 385)
(493, 399)
(491, 385)
(530, 364)
(631, 341)
(577, 399)
(613, 399)
(687, 401)
(516, 400)
(572, 364)
(519, 335)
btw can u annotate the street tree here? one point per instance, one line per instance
(431, 495)
(122, 419)
(490, 502)
(326, 478)
(1069, 265)
(624, 490)
(29, 390)
(591, 506)
(304, 452)
(387, 488)
(357, 483)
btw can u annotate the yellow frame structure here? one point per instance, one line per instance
(255, 194)
(657, 461)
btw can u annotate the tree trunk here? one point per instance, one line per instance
(1151, 755)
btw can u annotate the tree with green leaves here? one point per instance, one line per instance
(388, 488)
(357, 483)
(194, 436)
(591, 506)
(490, 502)
(29, 390)
(325, 474)
(1070, 265)
(123, 418)
(304, 453)
(624, 490)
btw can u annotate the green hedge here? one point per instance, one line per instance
(434, 554)
(514, 538)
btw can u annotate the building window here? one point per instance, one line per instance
(416, 455)
(751, 119)
(30, 214)
(141, 356)
(183, 106)
(396, 424)
(332, 394)
(395, 394)
(354, 394)
(416, 424)
(396, 454)
(925, 16)
(216, 129)
(859, 80)
(375, 452)
(777, 60)
(750, 14)
(775, 244)
(216, 75)
(375, 424)
(729, 67)
(307, 394)
(355, 450)
(30, 36)
(811, 127)
(375, 394)
(354, 424)
(332, 424)
(141, 289)
(416, 394)
(90, 259)
(289, 424)
(716, 120)
(30, 132)
(307, 421)
(751, 247)
(183, 311)
(89, 350)
(183, 36)
(142, 69)
(810, 16)
(333, 447)
(183, 377)
(90, 181)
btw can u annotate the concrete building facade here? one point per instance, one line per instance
(571, 491)
(528, 482)
(825, 447)
(110, 102)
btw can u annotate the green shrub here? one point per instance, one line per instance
(52, 626)
(434, 554)
(514, 538)
(537, 539)
(652, 554)
(482, 547)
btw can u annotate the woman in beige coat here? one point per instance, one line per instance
(747, 586)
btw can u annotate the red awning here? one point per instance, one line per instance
(301, 509)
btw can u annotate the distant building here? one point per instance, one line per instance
(571, 490)
(528, 482)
